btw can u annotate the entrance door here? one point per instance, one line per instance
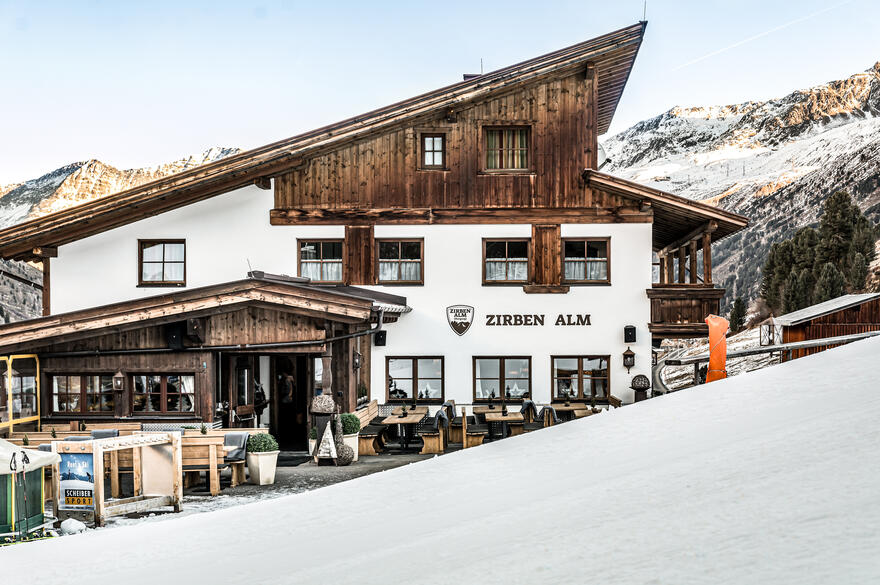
(290, 401)
(241, 395)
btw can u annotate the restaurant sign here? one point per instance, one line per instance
(460, 318)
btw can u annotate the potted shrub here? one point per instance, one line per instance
(351, 426)
(262, 458)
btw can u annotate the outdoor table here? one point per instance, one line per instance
(418, 409)
(408, 423)
(568, 409)
(496, 416)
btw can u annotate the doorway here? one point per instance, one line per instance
(289, 400)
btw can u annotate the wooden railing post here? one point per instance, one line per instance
(693, 259)
(707, 258)
(681, 265)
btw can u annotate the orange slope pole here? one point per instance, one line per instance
(718, 327)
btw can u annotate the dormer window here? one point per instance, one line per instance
(161, 262)
(433, 151)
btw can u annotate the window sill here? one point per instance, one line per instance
(399, 283)
(497, 402)
(586, 282)
(492, 172)
(161, 285)
(532, 289)
(434, 169)
(522, 283)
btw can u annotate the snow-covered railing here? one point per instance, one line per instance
(789, 347)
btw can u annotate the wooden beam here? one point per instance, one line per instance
(698, 232)
(425, 215)
(591, 154)
(707, 258)
(693, 259)
(45, 252)
(264, 183)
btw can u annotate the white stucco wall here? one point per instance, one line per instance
(225, 232)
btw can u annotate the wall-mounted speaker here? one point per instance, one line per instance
(380, 338)
(629, 334)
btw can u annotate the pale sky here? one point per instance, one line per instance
(141, 83)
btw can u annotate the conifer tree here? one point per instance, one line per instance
(791, 298)
(737, 315)
(831, 284)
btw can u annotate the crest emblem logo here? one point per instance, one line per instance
(460, 318)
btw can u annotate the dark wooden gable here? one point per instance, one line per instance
(384, 171)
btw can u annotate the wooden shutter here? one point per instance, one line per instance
(358, 255)
(546, 254)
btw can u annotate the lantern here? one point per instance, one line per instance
(118, 381)
(629, 359)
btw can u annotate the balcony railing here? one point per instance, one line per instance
(679, 310)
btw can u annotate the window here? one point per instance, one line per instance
(422, 374)
(582, 377)
(321, 260)
(162, 393)
(81, 393)
(494, 374)
(24, 388)
(507, 148)
(587, 260)
(162, 262)
(433, 151)
(400, 261)
(505, 261)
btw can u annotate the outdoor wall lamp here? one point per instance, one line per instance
(118, 381)
(356, 361)
(629, 359)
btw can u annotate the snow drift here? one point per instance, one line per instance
(769, 477)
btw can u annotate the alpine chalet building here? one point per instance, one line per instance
(456, 245)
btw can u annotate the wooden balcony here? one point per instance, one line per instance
(678, 310)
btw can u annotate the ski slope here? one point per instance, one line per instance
(769, 477)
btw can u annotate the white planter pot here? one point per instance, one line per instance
(261, 467)
(352, 441)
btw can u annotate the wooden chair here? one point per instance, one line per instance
(434, 434)
(472, 434)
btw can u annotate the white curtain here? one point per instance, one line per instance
(332, 270)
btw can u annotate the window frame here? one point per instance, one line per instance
(501, 379)
(83, 394)
(300, 261)
(580, 397)
(377, 260)
(586, 239)
(415, 378)
(528, 278)
(142, 243)
(484, 148)
(443, 151)
(163, 395)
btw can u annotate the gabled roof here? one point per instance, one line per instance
(674, 215)
(822, 309)
(354, 306)
(613, 55)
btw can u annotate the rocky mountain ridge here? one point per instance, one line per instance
(774, 161)
(65, 187)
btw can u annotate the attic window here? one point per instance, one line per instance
(161, 262)
(433, 151)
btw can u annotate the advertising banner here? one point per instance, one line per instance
(77, 482)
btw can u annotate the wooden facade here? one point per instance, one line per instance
(858, 318)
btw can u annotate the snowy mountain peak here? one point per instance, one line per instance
(774, 161)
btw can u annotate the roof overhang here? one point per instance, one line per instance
(826, 308)
(299, 298)
(612, 55)
(675, 217)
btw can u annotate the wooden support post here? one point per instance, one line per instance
(662, 268)
(682, 264)
(98, 467)
(213, 473)
(177, 464)
(136, 471)
(114, 474)
(693, 259)
(464, 441)
(670, 265)
(47, 298)
(707, 258)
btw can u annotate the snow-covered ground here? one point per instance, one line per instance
(770, 477)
